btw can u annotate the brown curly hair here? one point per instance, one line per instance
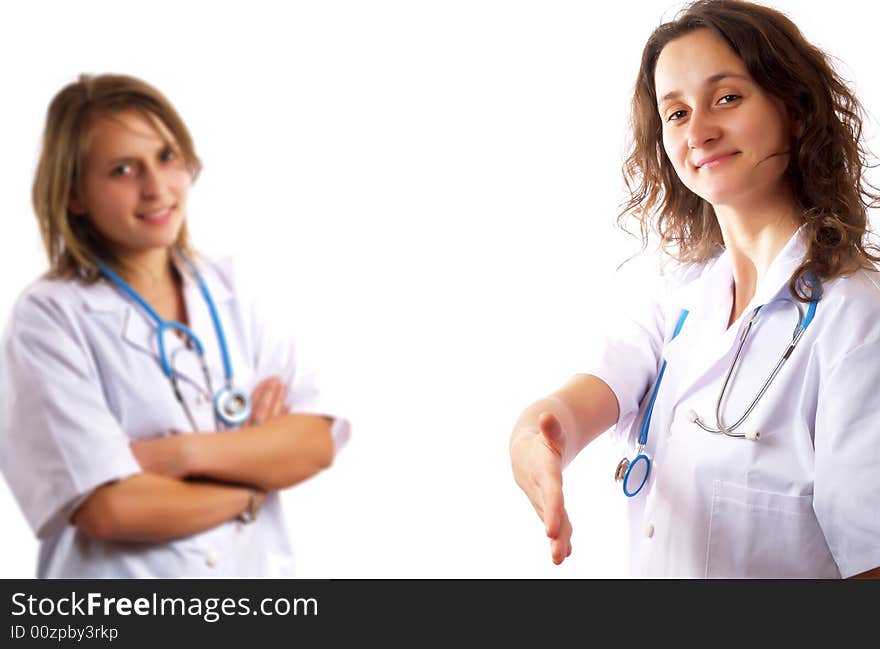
(828, 157)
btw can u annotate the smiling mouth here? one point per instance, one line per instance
(157, 216)
(715, 161)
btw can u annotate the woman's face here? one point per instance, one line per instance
(727, 139)
(134, 185)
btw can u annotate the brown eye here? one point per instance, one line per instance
(121, 170)
(729, 99)
(676, 116)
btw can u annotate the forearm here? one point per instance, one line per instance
(585, 406)
(152, 508)
(276, 454)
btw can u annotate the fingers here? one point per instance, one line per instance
(556, 522)
(560, 547)
(278, 394)
(262, 400)
(537, 467)
(267, 401)
(552, 505)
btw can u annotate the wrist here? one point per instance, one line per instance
(252, 508)
(528, 426)
(529, 420)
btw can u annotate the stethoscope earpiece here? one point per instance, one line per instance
(753, 435)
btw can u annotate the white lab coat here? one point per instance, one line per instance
(80, 379)
(804, 500)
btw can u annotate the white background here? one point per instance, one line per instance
(432, 187)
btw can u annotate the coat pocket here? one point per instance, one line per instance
(756, 534)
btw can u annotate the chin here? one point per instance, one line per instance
(719, 195)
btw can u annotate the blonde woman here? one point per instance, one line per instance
(148, 414)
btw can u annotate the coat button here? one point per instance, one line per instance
(649, 530)
(211, 560)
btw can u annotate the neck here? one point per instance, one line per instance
(149, 272)
(754, 235)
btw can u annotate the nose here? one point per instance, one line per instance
(702, 129)
(152, 183)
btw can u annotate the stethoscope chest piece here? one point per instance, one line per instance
(232, 406)
(633, 474)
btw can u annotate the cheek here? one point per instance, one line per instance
(767, 128)
(180, 180)
(108, 197)
(676, 151)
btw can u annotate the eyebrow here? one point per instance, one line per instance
(130, 159)
(119, 161)
(715, 78)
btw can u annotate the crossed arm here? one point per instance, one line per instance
(193, 482)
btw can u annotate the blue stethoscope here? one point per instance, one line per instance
(634, 474)
(231, 405)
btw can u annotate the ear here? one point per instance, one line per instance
(796, 124)
(74, 204)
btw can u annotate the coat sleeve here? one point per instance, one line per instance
(58, 439)
(627, 355)
(846, 488)
(640, 318)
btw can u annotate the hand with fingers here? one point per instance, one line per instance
(536, 454)
(268, 401)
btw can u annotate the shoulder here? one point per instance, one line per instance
(679, 275)
(659, 275)
(51, 312)
(233, 282)
(679, 283)
(853, 299)
(848, 313)
(225, 274)
(861, 289)
(218, 268)
(46, 295)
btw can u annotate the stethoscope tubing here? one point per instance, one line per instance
(164, 325)
(215, 318)
(222, 400)
(626, 466)
(729, 430)
(646, 424)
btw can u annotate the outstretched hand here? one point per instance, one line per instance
(536, 457)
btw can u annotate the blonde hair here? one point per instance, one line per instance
(72, 243)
